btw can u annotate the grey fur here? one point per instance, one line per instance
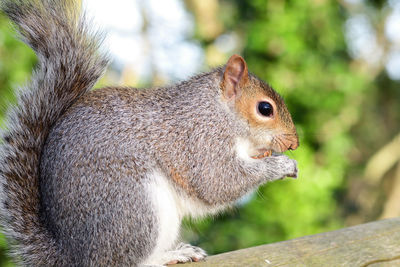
(75, 164)
(68, 67)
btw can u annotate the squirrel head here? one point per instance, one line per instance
(271, 127)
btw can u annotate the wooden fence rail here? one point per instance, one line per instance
(373, 244)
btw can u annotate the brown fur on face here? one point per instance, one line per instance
(276, 132)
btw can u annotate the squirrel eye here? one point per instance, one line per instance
(265, 109)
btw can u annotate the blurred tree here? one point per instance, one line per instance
(377, 131)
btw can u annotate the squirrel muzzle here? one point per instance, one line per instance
(279, 144)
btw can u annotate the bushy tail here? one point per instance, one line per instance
(69, 65)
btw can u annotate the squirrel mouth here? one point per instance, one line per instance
(263, 153)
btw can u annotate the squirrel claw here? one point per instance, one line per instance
(267, 153)
(293, 175)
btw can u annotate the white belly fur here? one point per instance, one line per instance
(166, 210)
(170, 207)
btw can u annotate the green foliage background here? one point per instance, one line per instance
(343, 113)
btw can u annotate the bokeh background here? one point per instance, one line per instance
(336, 63)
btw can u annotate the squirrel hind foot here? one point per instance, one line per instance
(181, 254)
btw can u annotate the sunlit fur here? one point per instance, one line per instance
(88, 177)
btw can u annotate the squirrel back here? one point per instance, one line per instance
(69, 64)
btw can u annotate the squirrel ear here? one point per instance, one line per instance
(235, 76)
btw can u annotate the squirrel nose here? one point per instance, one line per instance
(294, 145)
(289, 143)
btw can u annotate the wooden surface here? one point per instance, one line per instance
(375, 244)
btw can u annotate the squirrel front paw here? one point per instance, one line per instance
(281, 166)
(292, 169)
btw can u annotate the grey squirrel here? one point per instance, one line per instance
(104, 177)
